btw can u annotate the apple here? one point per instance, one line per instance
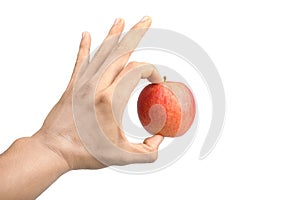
(166, 108)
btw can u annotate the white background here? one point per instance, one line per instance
(255, 46)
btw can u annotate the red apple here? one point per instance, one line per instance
(166, 108)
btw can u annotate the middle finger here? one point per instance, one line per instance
(120, 55)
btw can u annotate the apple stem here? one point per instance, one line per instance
(165, 78)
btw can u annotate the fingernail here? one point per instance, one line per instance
(83, 34)
(145, 18)
(117, 21)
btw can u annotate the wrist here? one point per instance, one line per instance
(69, 149)
(37, 145)
(51, 149)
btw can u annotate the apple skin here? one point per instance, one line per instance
(166, 108)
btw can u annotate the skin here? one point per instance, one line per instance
(31, 164)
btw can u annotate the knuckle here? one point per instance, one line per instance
(123, 48)
(104, 97)
(133, 63)
(83, 91)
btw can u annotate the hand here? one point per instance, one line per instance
(70, 130)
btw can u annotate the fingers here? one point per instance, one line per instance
(82, 55)
(122, 87)
(125, 84)
(139, 70)
(146, 152)
(110, 41)
(105, 49)
(121, 90)
(120, 55)
(133, 37)
(117, 28)
(84, 48)
(154, 141)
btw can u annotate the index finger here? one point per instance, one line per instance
(125, 84)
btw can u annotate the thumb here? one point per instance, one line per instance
(154, 141)
(146, 152)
